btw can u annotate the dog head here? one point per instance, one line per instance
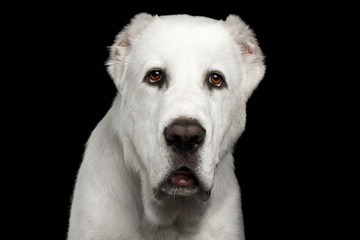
(183, 83)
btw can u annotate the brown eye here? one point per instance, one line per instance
(155, 76)
(216, 79)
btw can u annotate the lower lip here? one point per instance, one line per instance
(182, 180)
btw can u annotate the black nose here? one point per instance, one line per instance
(184, 135)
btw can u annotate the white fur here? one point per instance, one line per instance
(127, 157)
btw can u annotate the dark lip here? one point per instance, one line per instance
(184, 170)
(168, 187)
(167, 190)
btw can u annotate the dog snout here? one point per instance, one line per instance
(184, 135)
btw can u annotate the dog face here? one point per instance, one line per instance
(183, 83)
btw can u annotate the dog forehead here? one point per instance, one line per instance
(178, 35)
(183, 27)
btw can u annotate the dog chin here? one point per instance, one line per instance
(182, 183)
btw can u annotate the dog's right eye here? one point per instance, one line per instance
(155, 76)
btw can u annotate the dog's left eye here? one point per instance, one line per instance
(155, 76)
(216, 79)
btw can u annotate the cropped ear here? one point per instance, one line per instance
(120, 48)
(252, 55)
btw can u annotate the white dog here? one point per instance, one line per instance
(160, 165)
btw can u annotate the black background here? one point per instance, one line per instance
(282, 159)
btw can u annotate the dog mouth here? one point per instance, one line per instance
(183, 177)
(182, 182)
